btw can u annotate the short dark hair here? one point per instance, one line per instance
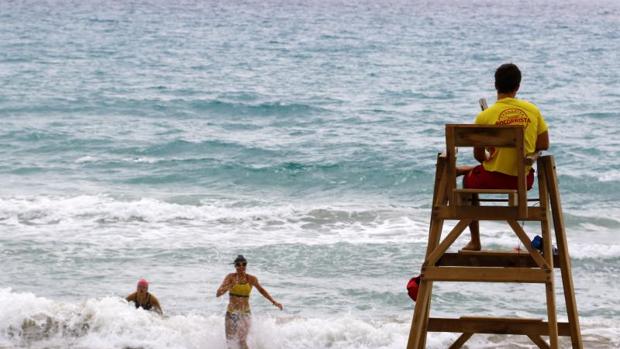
(507, 78)
(240, 259)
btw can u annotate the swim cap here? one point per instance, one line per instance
(143, 282)
(240, 259)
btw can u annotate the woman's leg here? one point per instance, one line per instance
(245, 321)
(232, 325)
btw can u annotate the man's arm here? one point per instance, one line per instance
(480, 154)
(542, 141)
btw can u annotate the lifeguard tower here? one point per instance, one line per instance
(468, 206)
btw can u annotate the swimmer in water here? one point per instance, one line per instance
(143, 299)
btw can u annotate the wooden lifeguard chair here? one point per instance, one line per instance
(469, 206)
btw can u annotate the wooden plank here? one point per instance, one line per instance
(451, 164)
(521, 180)
(419, 322)
(480, 137)
(548, 254)
(462, 196)
(493, 325)
(470, 135)
(461, 340)
(525, 240)
(539, 341)
(551, 314)
(489, 259)
(487, 191)
(514, 201)
(494, 253)
(485, 274)
(447, 242)
(420, 315)
(548, 164)
(424, 331)
(440, 180)
(488, 213)
(439, 198)
(510, 201)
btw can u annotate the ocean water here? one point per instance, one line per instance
(160, 139)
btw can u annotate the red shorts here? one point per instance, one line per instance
(479, 178)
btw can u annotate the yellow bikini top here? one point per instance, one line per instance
(241, 289)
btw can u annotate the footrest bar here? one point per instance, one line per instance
(486, 274)
(529, 327)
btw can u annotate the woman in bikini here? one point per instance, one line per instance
(142, 298)
(238, 316)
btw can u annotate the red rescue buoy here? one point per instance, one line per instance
(412, 287)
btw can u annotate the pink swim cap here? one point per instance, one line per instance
(143, 282)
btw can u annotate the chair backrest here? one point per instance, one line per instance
(471, 135)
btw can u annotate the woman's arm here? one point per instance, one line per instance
(225, 286)
(254, 281)
(156, 306)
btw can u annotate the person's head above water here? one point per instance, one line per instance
(142, 285)
(240, 262)
(507, 78)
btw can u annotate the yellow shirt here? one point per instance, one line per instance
(511, 111)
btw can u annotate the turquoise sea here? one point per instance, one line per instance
(160, 139)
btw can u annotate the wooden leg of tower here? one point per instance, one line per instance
(569, 294)
(440, 198)
(548, 254)
(564, 257)
(461, 340)
(551, 312)
(427, 315)
(419, 323)
(420, 315)
(539, 341)
(417, 335)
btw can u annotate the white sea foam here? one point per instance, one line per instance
(107, 158)
(146, 160)
(306, 223)
(86, 159)
(36, 322)
(102, 216)
(609, 176)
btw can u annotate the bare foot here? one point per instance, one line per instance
(472, 246)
